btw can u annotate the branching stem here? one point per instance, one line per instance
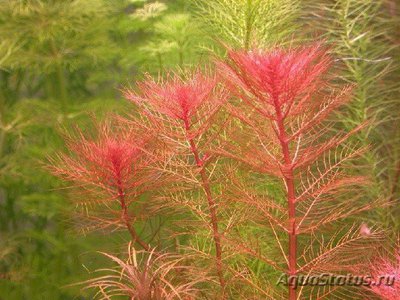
(127, 220)
(291, 194)
(211, 205)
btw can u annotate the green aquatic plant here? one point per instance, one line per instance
(248, 23)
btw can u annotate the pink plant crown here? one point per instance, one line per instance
(113, 159)
(287, 78)
(386, 267)
(178, 97)
(286, 86)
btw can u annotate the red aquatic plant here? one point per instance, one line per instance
(183, 108)
(380, 277)
(175, 97)
(278, 122)
(110, 168)
(285, 101)
(385, 273)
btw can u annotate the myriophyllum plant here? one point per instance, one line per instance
(245, 23)
(109, 171)
(364, 49)
(184, 110)
(281, 114)
(284, 104)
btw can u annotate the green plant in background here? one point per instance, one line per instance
(53, 38)
(38, 255)
(360, 32)
(5, 51)
(248, 23)
(63, 53)
(180, 31)
(138, 27)
(176, 40)
(61, 48)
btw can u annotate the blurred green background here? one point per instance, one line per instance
(59, 62)
(62, 60)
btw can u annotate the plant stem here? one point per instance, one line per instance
(60, 79)
(180, 54)
(61, 86)
(211, 205)
(291, 196)
(160, 62)
(2, 123)
(249, 24)
(395, 182)
(127, 219)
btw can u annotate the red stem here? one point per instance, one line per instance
(127, 219)
(291, 196)
(211, 206)
(395, 182)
